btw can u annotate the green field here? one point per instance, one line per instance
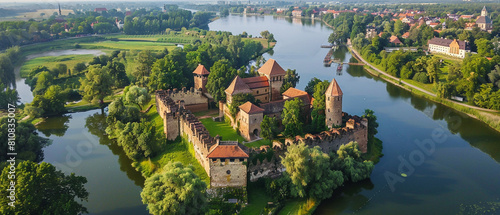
(128, 45)
(227, 132)
(179, 150)
(51, 62)
(170, 38)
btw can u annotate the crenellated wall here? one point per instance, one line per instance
(194, 100)
(356, 129)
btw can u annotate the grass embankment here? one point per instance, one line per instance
(491, 119)
(179, 150)
(257, 199)
(128, 45)
(227, 132)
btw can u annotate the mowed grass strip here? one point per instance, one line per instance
(129, 45)
(51, 62)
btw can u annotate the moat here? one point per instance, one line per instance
(450, 159)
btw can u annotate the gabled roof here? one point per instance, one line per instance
(271, 68)
(294, 92)
(227, 151)
(394, 39)
(483, 20)
(446, 42)
(334, 89)
(250, 108)
(238, 86)
(406, 35)
(201, 70)
(257, 82)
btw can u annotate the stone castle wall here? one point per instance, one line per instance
(227, 172)
(356, 129)
(194, 99)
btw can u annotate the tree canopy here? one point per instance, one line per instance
(310, 172)
(96, 85)
(41, 189)
(176, 190)
(292, 118)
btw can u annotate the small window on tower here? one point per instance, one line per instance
(328, 98)
(328, 110)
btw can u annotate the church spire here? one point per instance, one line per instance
(484, 12)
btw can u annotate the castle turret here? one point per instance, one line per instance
(200, 78)
(333, 101)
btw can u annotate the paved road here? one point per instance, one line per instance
(415, 87)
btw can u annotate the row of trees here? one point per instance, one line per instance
(8, 95)
(158, 22)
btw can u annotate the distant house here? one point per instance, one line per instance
(395, 40)
(454, 48)
(100, 9)
(371, 32)
(297, 13)
(406, 35)
(467, 16)
(470, 25)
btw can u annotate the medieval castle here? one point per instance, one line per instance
(226, 162)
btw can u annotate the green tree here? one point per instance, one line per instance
(136, 138)
(136, 95)
(319, 106)
(28, 144)
(494, 76)
(292, 118)
(176, 190)
(96, 85)
(445, 90)
(117, 72)
(310, 86)
(269, 126)
(291, 80)
(41, 189)
(7, 96)
(310, 172)
(145, 59)
(372, 122)
(348, 160)
(79, 67)
(264, 34)
(62, 69)
(221, 75)
(120, 112)
(44, 80)
(433, 69)
(167, 73)
(484, 47)
(238, 100)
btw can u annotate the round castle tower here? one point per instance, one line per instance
(333, 101)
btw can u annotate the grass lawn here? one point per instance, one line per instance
(51, 62)
(428, 87)
(222, 129)
(262, 41)
(296, 206)
(257, 199)
(179, 150)
(176, 37)
(129, 45)
(258, 143)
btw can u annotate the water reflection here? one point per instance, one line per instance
(96, 124)
(54, 126)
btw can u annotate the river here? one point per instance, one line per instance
(461, 168)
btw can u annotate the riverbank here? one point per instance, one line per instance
(487, 116)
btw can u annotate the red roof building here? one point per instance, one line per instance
(101, 9)
(226, 150)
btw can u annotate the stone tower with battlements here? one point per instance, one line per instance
(200, 78)
(333, 101)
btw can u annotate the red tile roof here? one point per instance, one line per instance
(200, 70)
(394, 39)
(406, 35)
(250, 108)
(257, 82)
(238, 86)
(334, 89)
(294, 92)
(271, 68)
(227, 151)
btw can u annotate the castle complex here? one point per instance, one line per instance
(226, 162)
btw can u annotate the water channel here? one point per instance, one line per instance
(462, 167)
